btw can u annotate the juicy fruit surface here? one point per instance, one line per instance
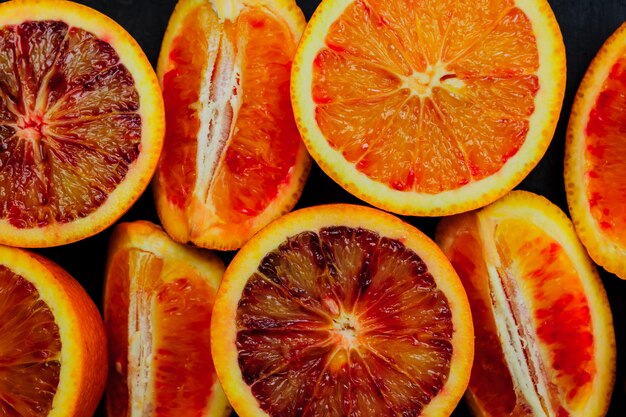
(229, 113)
(343, 322)
(535, 339)
(30, 348)
(70, 126)
(168, 370)
(605, 162)
(429, 111)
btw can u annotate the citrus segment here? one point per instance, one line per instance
(429, 108)
(30, 348)
(233, 157)
(80, 122)
(341, 310)
(158, 301)
(606, 186)
(532, 292)
(594, 161)
(52, 341)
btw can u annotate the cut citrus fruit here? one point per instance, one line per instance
(157, 308)
(52, 341)
(81, 122)
(544, 332)
(233, 159)
(595, 163)
(431, 107)
(342, 310)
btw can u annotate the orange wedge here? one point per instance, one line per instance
(544, 333)
(81, 122)
(233, 158)
(52, 341)
(342, 310)
(595, 164)
(157, 308)
(432, 107)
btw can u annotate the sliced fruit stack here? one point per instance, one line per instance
(81, 122)
(544, 336)
(233, 158)
(421, 108)
(595, 162)
(431, 107)
(157, 307)
(52, 341)
(342, 311)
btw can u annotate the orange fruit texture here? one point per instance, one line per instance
(595, 163)
(342, 310)
(52, 340)
(233, 159)
(545, 344)
(429, 108)
(81, 122)
(157, 307)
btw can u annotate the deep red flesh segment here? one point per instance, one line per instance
(290, 349)
(55, 78)
(30, 346)
(184, 370)
(605, 168)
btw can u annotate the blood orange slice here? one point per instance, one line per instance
(544, 336)
(429, 107)
(81, 122)
(157, 305)
(233, 158)
(595, 165)
(341, 311)
(52, 341)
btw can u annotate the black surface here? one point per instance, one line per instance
(585, 25)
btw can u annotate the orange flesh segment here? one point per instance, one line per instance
(605, 162)
(70, 127)
(252, 146)
(548, 304)
(428, 111)
(176, 314)
(343, 322)
(30, 348)
(490, 383)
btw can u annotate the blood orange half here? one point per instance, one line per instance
(233, 158)
(595, 163)
(544, 334)
(429, 107)
(81, 122)
(157, 308)
(52, 341)
(342, 311)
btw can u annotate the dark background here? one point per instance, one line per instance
(585, 25)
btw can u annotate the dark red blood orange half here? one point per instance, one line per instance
(81, 122)
(342, 311)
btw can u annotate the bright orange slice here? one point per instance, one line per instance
(52, 341)
(233, 158)
(544, 332)
(157, 308)
(342, 310)
(429, 107)
(81, 122)
(595, 162)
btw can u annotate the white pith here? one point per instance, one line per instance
(216, 127)
(422, 84)
(517, 336)
(140, 392)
